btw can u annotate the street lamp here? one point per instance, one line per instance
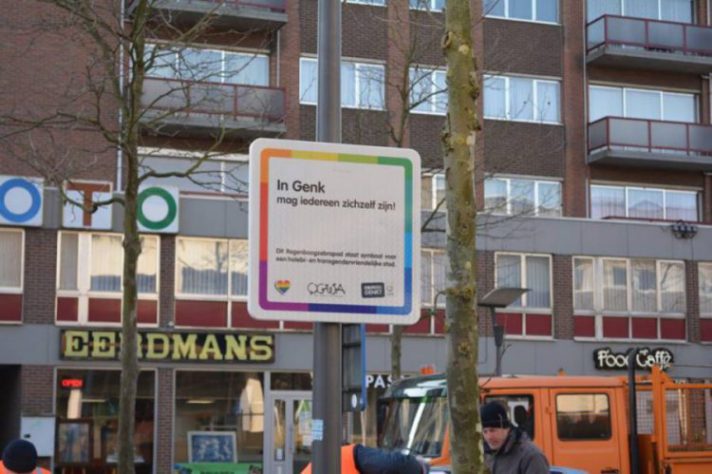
(500, 298)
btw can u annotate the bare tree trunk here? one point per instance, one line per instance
(462, 329)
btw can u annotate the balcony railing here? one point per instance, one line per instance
(179, 98)
(650, 136)
(271, 5)
(652, 35)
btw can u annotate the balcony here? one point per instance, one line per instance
(637, 43)
(651, 143)
(244, 15)
(201, 108)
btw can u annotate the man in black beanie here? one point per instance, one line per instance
(508, 450)
(20, 457)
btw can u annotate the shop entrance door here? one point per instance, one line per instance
(289, 418)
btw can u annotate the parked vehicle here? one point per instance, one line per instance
(580, 422)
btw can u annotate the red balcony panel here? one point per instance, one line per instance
(706, 330)
(513, 323)
(538, 324)
(440, 321)
(104, 310)
(377, 328)
(147, 312)
(615, 327)
(672, 329)
(584, 326)
(209, 314)
(422, 326)
(67, 309)
(299, 325)
(11, 308)
(645, 328)
(242, 319)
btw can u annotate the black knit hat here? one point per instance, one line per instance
(20, 456)
(494, 415)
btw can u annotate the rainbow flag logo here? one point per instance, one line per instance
(282, 286)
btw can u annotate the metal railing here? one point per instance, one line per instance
(184, 97)
(652, 35)
(651, 136)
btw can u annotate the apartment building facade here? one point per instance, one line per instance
(593, 177)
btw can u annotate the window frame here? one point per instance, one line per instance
(524, 308)
(537, 200)
(84, 292)
(534, 99)
(13, 290)
(223, 55)
(703, 314)
(433, 290)
(527, 20)
(661, 94)
(356, 85)
(431, 6)
(626, 188)
(598, 287)
(434, 93)
(370, 3)
(622, 4)
(436, 178)
(228, 297)
(579, 393)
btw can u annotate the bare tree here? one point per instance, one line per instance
(125, 88)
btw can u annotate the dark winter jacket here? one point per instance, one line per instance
(518, 455)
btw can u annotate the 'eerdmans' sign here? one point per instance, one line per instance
(169, 347)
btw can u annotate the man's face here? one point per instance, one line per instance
(495, 437)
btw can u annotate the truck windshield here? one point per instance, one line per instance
(416, 425)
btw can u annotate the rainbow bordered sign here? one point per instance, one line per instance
(334, 233)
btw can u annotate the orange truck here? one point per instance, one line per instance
(580, 422)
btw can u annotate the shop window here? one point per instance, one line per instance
(525, 271)
(230, 405)
(583, 416)
(87, 407)
(12, 253)
(705, 288)
(211, 268)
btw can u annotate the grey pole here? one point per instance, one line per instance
(632, 412)
(326, 452)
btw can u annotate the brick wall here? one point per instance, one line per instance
(166, 295)
(523, 148)
(40, 276)
(164, 421)
(522, 47)
(37, 384)
(693, 301)
(562, 297)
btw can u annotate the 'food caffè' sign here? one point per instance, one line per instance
(169, 346)
(645, 358)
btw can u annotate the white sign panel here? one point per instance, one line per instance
(158, 208)
(76, 217)
(20, 201)
(334, 233)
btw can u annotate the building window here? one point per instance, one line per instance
(704, 279)
(629, 286)
(87, 419)
(203, 64)
(525, 271)
(439, 190)
(671, 10)
(519, 197)
(521, 99)
(546, 11)
(211, 268)
(428, 91)
(227, 175)
(90, 282)
(379, 3)
(643, 203)
(362, 84)
(644, 104)
(434, 266)
(224, 402)
(11, 260)
(429, 5)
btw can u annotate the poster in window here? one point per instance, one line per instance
(212, 446)
(73, 442)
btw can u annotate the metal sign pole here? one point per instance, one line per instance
(326, 444)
